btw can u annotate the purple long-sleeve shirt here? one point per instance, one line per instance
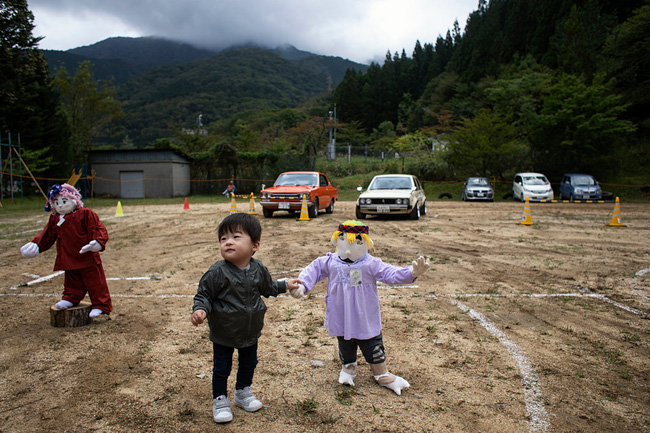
(352, 300)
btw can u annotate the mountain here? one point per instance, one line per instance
(122, 58)
(219, 87)
(165, 85)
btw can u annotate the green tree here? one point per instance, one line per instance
(627, 57)
(29, 102)
(578, 126)
(486, 145)
(90, 108)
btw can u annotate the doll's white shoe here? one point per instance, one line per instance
(221, 412)
(63, 305)
(347, 375)
(396, 385)
(95, 312)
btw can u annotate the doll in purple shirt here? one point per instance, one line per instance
(352, 302)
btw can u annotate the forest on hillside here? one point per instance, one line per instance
(549, 85)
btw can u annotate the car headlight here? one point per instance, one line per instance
(578, 191)
(398, 201)
(264, 195)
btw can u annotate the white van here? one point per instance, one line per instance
(535, 186)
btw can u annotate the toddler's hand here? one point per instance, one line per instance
(293, 283)
(198, 317)
(419, 266)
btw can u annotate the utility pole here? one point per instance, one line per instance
(331, 145)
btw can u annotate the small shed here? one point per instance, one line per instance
(140, 173)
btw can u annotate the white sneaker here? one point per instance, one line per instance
(221, 409)
(245, 399)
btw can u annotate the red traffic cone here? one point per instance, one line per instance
(186, 206)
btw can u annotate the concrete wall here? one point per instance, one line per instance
(166, 174)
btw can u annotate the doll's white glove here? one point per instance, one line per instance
(29, 250)
(419, 266)
(298, 293)
(93, 246)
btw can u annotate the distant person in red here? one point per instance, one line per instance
(79, 237)
(230, 190)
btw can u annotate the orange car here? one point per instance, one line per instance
(288, 189)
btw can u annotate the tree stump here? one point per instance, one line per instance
(71, 317)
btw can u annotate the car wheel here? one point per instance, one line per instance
(415, 213)
(360, 215)
(423, 209)
(268, 213)
(330, 208)
(313, 210)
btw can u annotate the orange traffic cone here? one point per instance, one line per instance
(233, 205)
(526, 218)
(304, 212)
(616, 215)
(186, 206)
(119, 212)
(251, 205)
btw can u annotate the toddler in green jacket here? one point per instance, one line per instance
(230, 297)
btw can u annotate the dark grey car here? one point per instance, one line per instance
(477, 188)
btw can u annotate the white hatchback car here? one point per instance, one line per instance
(393, 194)
(535, 186)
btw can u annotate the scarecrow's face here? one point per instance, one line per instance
(63, 205)
(353, 251)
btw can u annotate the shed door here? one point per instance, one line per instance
(132, 184)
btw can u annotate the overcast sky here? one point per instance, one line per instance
(359, 30)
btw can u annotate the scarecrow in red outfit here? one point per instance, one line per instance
(79, 237)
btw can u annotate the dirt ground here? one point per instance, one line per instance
(513, 329)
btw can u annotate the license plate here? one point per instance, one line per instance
(383, 209)
(283, 205)
(479, 194)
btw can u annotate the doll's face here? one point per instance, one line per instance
(63, 205)
(353, 251)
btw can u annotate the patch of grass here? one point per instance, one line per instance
(344, 395)
(308, 405)
(309, 330)
(625, 374)
(290, 314)
(628, 336)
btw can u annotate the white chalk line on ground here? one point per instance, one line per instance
(537, 416)
(584, 294)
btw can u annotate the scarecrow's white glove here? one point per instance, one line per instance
(419, 266)
(29, 250)
(299, 292)
(93, 246)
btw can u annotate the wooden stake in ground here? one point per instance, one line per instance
(71, 317)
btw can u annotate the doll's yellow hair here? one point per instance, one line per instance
(353, 228)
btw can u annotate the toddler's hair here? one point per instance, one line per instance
(243, 222)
